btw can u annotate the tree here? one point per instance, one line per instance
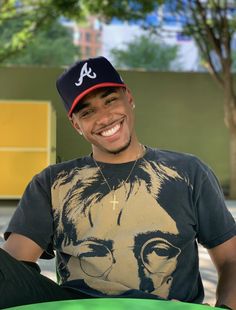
(145, 52)
(52, 47)
(212, 25)
(30, 17)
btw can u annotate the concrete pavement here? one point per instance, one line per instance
(207, 269)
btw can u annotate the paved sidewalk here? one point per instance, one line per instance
(208, 271)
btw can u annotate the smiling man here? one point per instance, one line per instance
(125, 220)
(114, 132)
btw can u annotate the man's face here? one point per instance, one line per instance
(106, 119)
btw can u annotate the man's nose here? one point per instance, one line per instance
(104, 116)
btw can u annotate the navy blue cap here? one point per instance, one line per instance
(85, 76)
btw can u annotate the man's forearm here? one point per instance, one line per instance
(226, 288)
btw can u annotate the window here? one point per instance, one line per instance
(88, 36)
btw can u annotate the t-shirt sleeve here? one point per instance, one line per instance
(33, 215)
(215, 223)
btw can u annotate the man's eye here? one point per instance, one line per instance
(86, 113)
(111, 100)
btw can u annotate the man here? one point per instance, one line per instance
(125, 220)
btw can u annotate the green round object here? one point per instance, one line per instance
(113, 304)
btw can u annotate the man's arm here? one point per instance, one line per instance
(22, 248)
(224, 258)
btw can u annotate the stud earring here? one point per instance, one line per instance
(133, 107)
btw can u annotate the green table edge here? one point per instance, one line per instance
(113, 303)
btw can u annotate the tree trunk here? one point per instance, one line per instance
(232, 181)
(230, 120)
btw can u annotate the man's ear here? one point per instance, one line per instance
(75, 124)
(130, 98)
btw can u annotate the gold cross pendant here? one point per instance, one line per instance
(114, 201)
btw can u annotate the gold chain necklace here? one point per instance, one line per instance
(114, 201)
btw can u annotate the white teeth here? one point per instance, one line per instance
(110, 132)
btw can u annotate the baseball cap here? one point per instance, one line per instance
(85, 76)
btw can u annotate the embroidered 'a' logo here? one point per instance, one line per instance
(85, 71)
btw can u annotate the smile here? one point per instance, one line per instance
(111, 131)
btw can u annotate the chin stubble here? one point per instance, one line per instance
(123, 148)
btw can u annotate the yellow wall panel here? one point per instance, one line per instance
(18, 168)
(27, 143)
(23, 124)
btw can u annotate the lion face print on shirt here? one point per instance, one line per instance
(114, 250)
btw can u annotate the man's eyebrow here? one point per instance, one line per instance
(82, 105)
(108, 92)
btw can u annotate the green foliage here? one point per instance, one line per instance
(29, 18)
(210, 23)
(122, 9)
(146, 53)
(34, 15)
(50, 47)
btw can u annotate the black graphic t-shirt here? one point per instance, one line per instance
(139, 238)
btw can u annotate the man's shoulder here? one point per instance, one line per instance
(64, 166)
(174, 156)
(178, 160)
(79, 162)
